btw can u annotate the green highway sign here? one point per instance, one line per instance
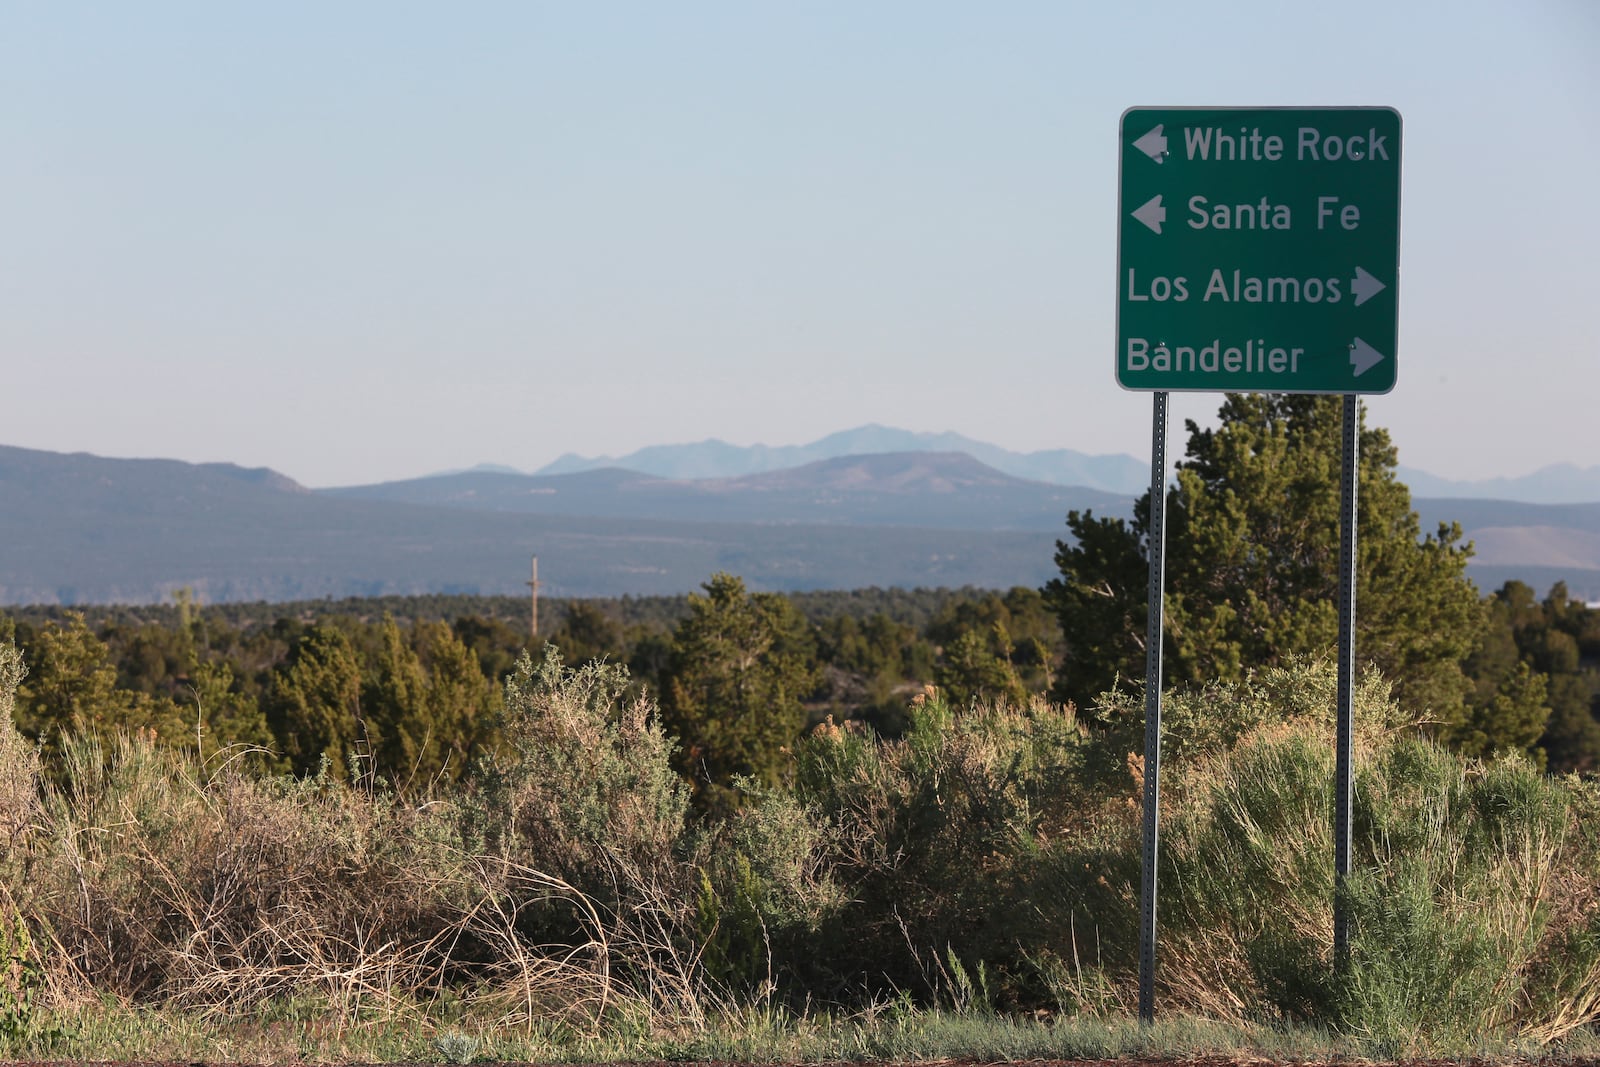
(1258, 249)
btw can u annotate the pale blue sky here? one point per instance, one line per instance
(356, 242)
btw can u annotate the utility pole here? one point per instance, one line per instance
(533, 587)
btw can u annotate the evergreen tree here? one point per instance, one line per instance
(1510, 701)
(1556, 641)
(394, 704)
(71, 680)
(588, 633)
(741, 664)
(316, 703)
(461, 704)
(72, 685)
(495, 643)
(230, 722)
(978, 667)
(1252, 565)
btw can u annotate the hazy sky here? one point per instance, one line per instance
(356, 241)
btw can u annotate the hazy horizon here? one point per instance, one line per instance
(1174, 454)
(372, 241)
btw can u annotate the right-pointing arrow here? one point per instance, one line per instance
(1365, 286)
(1151, 213)
(1153, 144)
(1363, 357)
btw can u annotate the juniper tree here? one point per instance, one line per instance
(1252, 566)
(315, 709)
(741, 664)
(71, 687)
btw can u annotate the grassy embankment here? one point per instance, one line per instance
(969, 890)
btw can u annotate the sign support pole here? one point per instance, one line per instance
(1344, 755)
(1152, 711)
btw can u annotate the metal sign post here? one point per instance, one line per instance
(1258, 250)
(1345, 753)
(1152, 711)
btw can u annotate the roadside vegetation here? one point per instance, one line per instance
(969, 886)
(750, 831)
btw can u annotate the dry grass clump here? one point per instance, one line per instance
(225, 891)
(154, 881)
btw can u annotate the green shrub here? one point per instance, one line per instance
(766, 891)
(583, 787)
(1474, 895)
(21, 977)
(583, 794)
(1471, 898)
(927, 837)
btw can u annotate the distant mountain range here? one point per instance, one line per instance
(936, 490)
(717, 459)
(84, 529)
(1561, 483)
(80, 528)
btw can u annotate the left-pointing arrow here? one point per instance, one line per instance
(1153, 144)
(1151, 213)
(1363, 357)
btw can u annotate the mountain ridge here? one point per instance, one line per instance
(715, 458)
(83, 529)
(1557, 483)
(78, 528)
(936, 490)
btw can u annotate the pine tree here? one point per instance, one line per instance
(72, 687)
(1252, 565)
(461, 704)
(393, 703)
(741, 664)
(316, 704)
(978, 667)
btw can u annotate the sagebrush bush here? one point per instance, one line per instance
(584, 783)
(767, 889)
(927, 834)
(1473, 884)
(583, 792)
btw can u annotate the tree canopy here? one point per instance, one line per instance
(1251, 568)
(741, 664)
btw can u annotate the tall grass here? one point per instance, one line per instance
(152, 880)
(967, 889)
